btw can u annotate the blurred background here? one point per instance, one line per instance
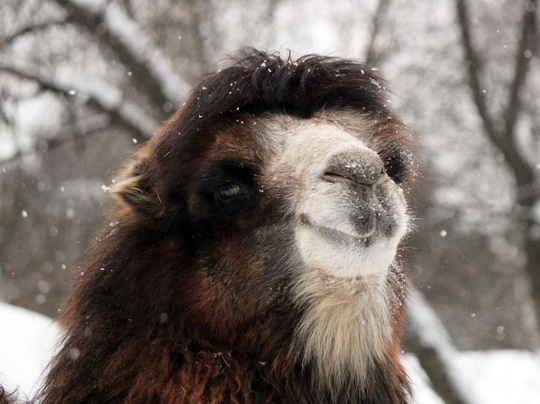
(84, 82)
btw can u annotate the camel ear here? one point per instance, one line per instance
(135, 188)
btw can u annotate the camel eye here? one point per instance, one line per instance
(229, 188)
(395, 167)
(229, 191)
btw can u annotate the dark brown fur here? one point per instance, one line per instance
(5, 397)
(180, 301)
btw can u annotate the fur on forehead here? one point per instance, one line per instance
(369, 128)
(259, 83)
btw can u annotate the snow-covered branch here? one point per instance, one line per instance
(97, 95)
(6, 41)
(435, 350)
(70, 133)
(145, 52)
(149, 66)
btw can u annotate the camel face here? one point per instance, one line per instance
(349, 214)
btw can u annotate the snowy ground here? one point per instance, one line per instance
(27, 342)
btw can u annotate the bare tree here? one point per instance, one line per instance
(502, 129)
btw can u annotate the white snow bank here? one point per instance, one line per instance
(28, 340)
(508, 376)
(490, 377)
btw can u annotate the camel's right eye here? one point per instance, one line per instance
(229, 191)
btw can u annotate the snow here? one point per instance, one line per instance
(27, 342)
(492, 377)
(507, 376)
(38, 117)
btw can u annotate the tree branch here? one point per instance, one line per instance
(502, 134)
(196, 16)
(373, 54)
(103, 98)
(30, 29)
(52, 143)
(474, 67)
(435, 351)
(524, 54)
(151, 70)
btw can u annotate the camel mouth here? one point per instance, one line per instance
(342, 253)
(341, 237)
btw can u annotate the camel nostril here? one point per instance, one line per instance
(332, 176)
(363, 167)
